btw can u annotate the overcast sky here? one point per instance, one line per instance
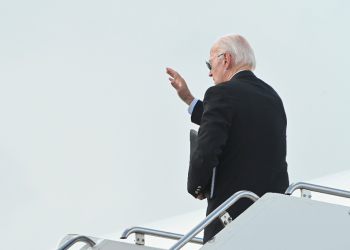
(94, 139)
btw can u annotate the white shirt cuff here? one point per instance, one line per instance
(191, 107)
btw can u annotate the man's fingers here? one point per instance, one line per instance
(172, 81)
(180, 86)
(170, 72)
(176, 81)
(174, 84)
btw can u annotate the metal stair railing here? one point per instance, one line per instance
(79, 238)
(316, 188)
(218, 212)
(140, 232)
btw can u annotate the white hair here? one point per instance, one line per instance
(239, 49)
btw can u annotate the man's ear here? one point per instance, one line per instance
(228, 60)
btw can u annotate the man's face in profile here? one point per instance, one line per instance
(216, 62)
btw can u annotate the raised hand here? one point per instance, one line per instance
(180, 85)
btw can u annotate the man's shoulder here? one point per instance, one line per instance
(240, 87)
(219, 89)
(248, 83)
(226, 87)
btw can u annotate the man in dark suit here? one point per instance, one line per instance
(242, 131)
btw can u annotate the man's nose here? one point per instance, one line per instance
(210, 74)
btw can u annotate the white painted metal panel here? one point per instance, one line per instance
(177, 224)
(116, 245)
(104, 244)
(283, 222)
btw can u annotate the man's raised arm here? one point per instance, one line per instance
(180, 86)
(195, 108)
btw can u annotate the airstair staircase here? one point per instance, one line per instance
(274, 221)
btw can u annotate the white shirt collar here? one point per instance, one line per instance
(238, 72)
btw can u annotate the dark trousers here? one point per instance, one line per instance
(235, 210)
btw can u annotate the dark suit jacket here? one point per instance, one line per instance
(243, 133)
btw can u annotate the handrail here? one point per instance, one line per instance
(157, 233)
(213, 215)
(79, 238)
(317, 188)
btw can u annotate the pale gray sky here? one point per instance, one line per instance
(94, 139)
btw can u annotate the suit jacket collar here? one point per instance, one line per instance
(242, 74)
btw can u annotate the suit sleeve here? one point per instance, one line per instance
(197, 113)
(212, 136)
